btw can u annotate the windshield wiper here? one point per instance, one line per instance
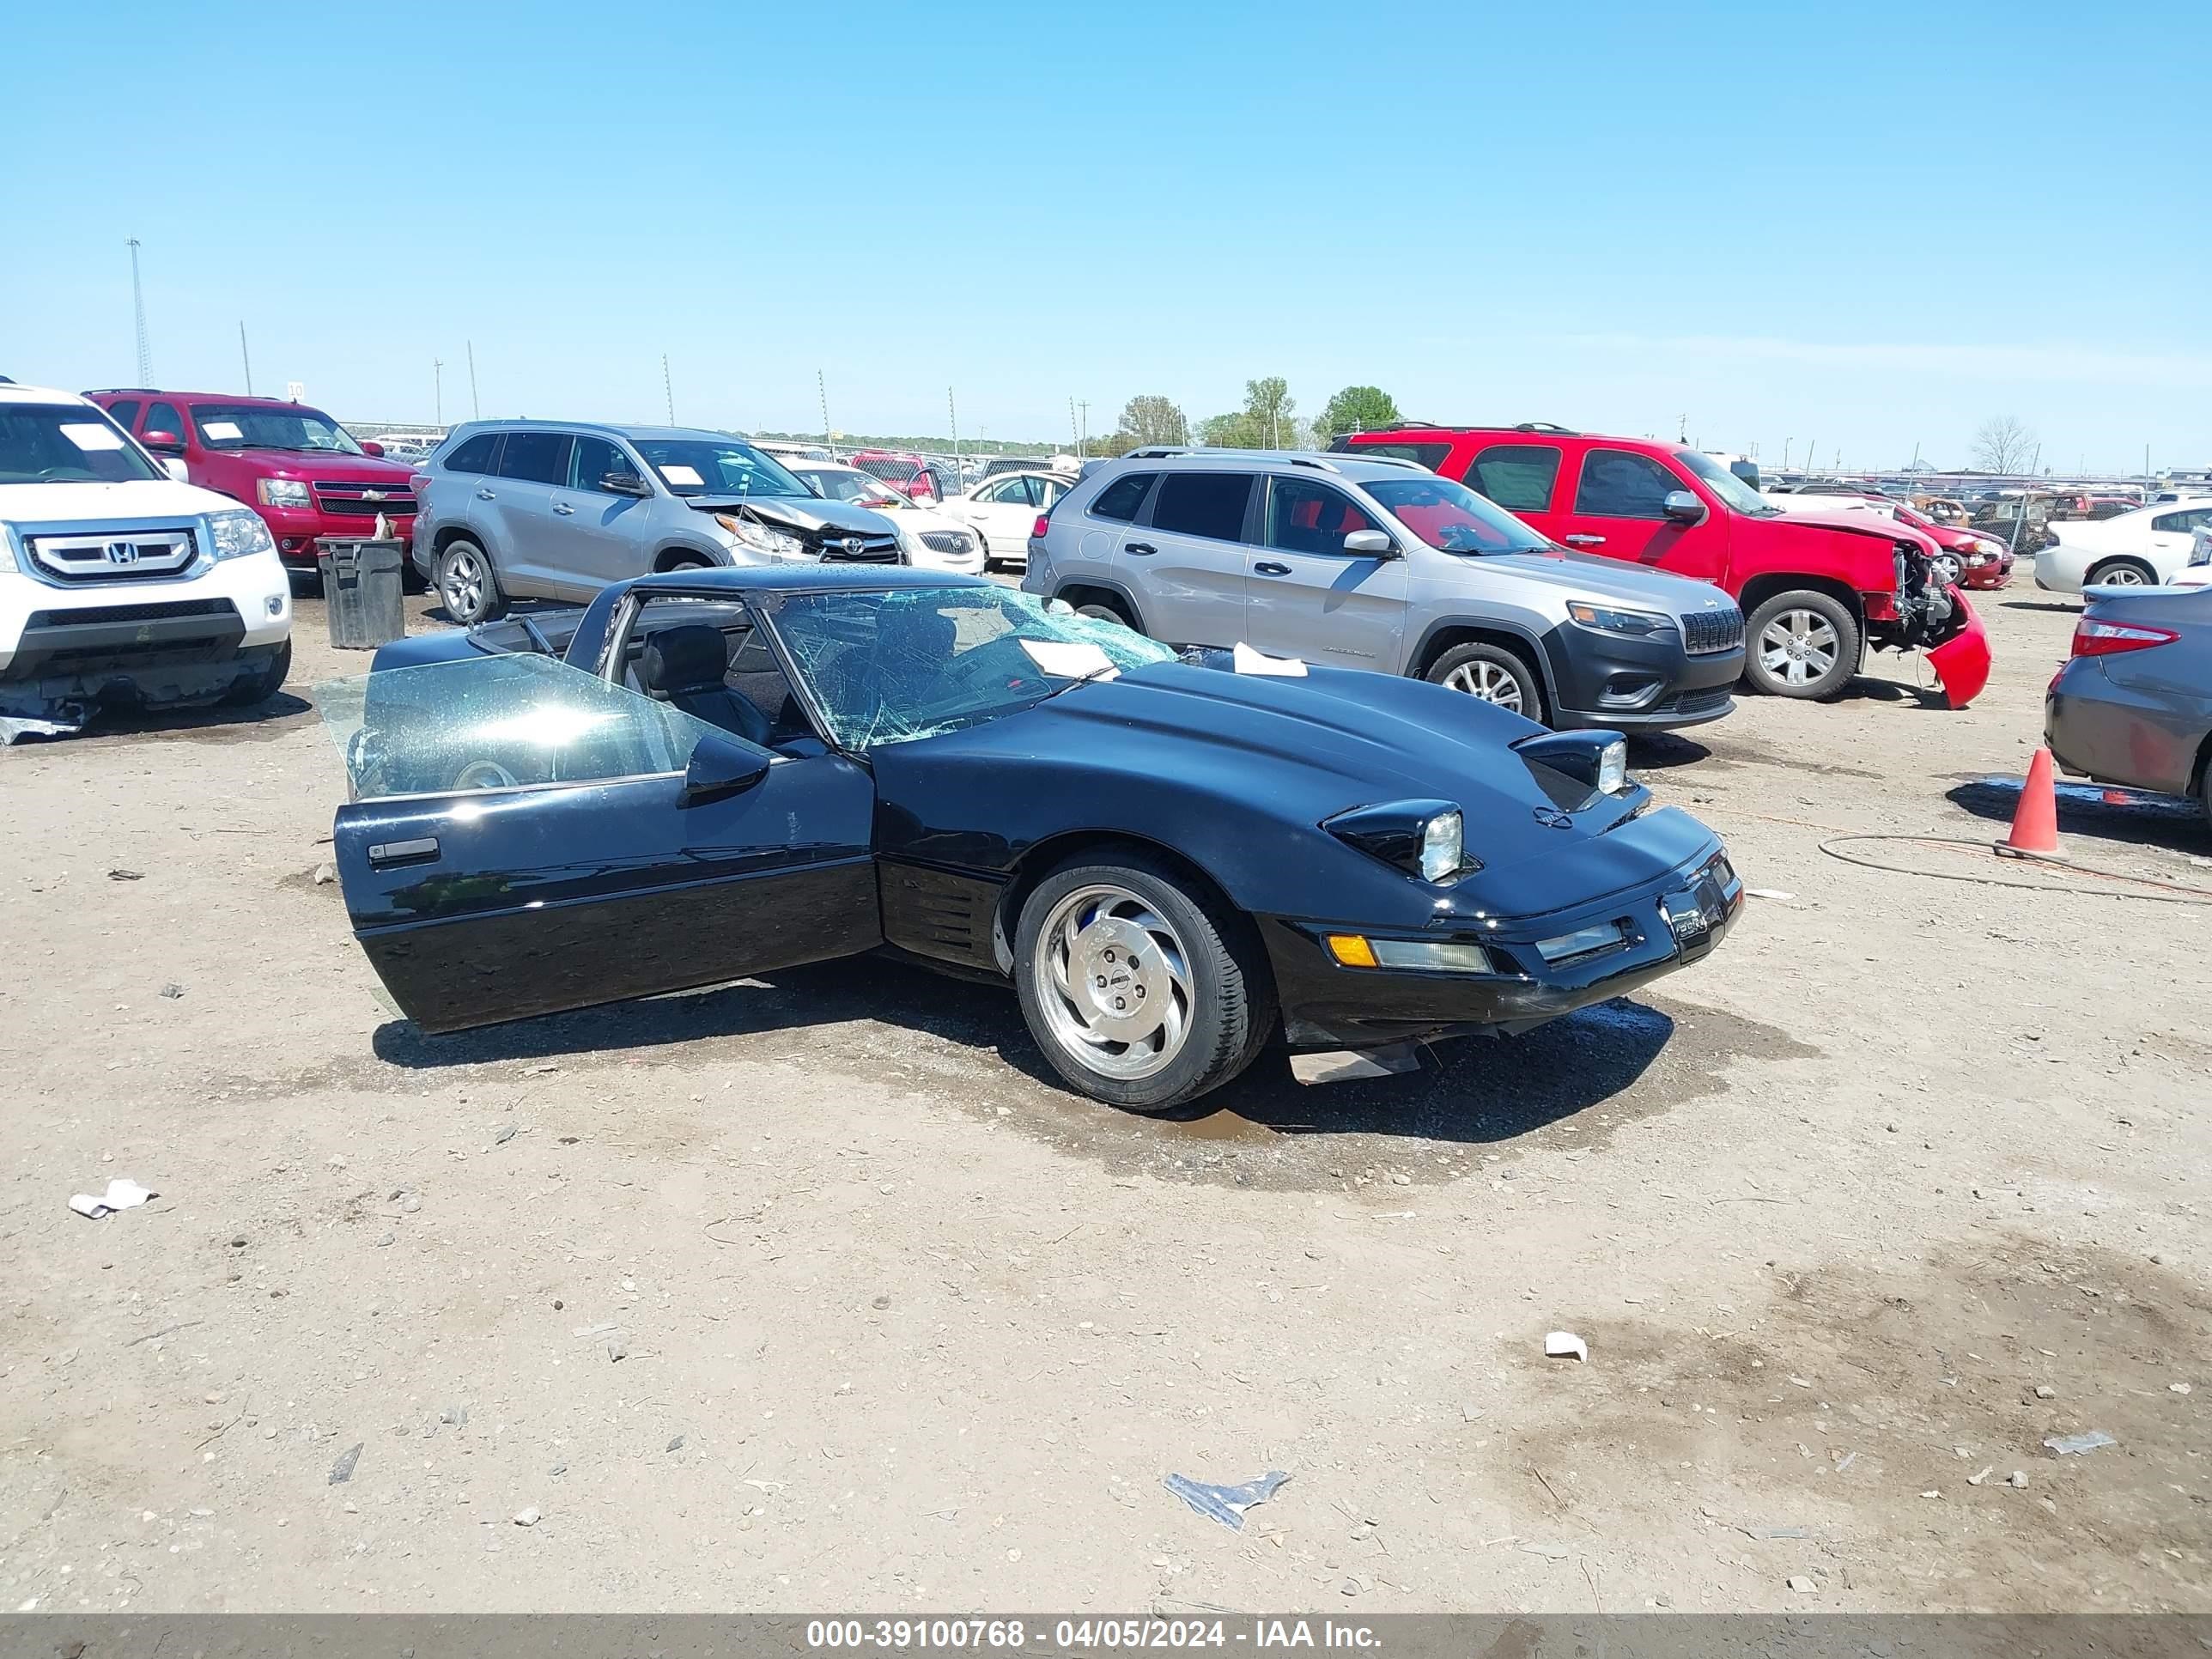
(1101, 672)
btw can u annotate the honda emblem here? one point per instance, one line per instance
(123, 552)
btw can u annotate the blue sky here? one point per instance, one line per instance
(1874, 227)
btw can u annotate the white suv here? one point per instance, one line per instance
(118, 582)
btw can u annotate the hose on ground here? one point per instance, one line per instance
(2169, 893)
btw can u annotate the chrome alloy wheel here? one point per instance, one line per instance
(1113, 978)
(1798, 647)
(2120, 575)
(1488, 681)
(462, 585)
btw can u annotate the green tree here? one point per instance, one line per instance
(1152, 420)
(1356, 409)
(1266, 421)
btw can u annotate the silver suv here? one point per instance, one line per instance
(556, 510)
(1380, 564)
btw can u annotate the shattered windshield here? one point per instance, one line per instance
(500, 722)
(892, 665)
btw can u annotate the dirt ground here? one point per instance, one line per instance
(903, 1325)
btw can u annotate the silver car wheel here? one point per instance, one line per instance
(463, 587)
(2120, 575)
(1489, 681)
(1798, 647)
(1113, 978)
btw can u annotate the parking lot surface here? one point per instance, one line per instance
(818, 1291)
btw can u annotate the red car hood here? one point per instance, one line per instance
(324, 464)
(1880, 526)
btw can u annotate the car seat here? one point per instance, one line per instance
(683, 668)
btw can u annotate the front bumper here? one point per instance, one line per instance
(1962, 662)
(1640, 684)
(297, 529)
(1664, 924)
(1987, 577)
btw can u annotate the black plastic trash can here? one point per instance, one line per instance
(361, 591)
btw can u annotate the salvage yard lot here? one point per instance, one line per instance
(903, 1325)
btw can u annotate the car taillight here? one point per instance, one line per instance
(2105, 639)
(1043, 523)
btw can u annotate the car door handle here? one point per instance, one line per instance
(418, 851)
(1145, 548)
(564, 510)
(483, 494)
(1583, 541)
(1269, 568)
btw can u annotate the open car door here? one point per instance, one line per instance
(526, 837)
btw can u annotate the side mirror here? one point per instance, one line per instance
(373, 448)
(624, 484)
(178, 471)
(720, 768)
(1682, 507)
(1372, 544)
(164, 443)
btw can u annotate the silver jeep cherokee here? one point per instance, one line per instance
(1380, 564)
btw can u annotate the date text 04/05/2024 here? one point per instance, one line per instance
(1084, 1635)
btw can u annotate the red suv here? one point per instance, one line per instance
(295, 465)
(1815, 590)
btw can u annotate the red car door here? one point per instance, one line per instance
(1616, 505)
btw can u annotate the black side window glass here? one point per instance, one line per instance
(1120, 500)
(1209, 504)
(536, 457)
(474, 456)
(595, 457)
(1519, 478)
(1616, 484)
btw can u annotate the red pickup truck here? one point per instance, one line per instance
(295, 465)
(1815, 590)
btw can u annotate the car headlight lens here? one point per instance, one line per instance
(1440, 846)
(1421, 955)
(1613, 767)
(1606, 620)
(238, 534)
(282, 492)
(6, 556)
(775, 543)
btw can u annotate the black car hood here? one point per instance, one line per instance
(1292, 752)
(810, 514)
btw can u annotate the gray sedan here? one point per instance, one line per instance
(2133, 705)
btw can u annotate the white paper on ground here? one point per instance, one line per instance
(91, 435)
(1565, 1345)
(1248, 661)
(1071, 659)
(121, 1195)
(218, 432)
(687, 477)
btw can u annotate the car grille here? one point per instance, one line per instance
(1687, 703)
(947, 541)
(860, 549)
(87, 616)
(364, 501)
(1704, 632)
(120, 555)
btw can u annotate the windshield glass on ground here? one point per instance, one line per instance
(1725, 483)
(1452, 517)
(702, 466)
(841, 486)
(892, 665)
(248, 426)
(65, 443)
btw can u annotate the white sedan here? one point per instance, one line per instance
(1003, 510)
(931, 539)
(2146, 547)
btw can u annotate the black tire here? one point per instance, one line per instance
(1104, 610)
(411, 581)
(2123, 573)
(1230, 1012)
(1810, 628)
(257, 689)
(1486, 672)
(468, 585)
(689, 562)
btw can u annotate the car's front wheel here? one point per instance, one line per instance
(2121, 573)
(467, 585)
(1493, 674)
(257, 689)
(1141, 992)
(1803, 644)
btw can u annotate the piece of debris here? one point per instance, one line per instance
(325, 873)
(2068, 1445)
(409, 1204)
(341, 1471)
(2017, 1480)
(1976, 1480)
(1802, 1584)
(2177, 1388)
(505, 1133)
(617, 1348)
(2045, 1391)
(1849, 1458)
(1931, 1494)
(173, 990)
(1549, 1552)
(1769, 893)
(1565, 1345)
(121, 1195)
(126, 875)
(528, 1517)
(1775, 1532)
(558, 1469)
(882, 1302)
(1226, 1504)
(456, 1415)
(677, 1444)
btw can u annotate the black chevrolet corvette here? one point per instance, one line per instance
(712, 773)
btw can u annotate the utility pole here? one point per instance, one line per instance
(1786, 442)
(244, 357)
(821, 390)
(667, 389)
(1083, 434)
(1915, 456)
(1682, 428)
(438, 391)
(1812, 457)
(1071, 424)
(476, 408)
(952, 413)
(138, 314)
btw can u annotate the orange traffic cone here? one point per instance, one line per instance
(2035, 820)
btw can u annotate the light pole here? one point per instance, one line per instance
(476, 408)
(138, 314)
(667, 389)
(246, 357)
(438, 391)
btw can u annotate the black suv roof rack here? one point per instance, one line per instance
(1547, 426)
